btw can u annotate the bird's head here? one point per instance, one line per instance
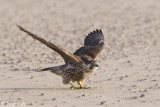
(89, 62)
(93, 64)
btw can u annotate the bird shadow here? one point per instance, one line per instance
(25, 89)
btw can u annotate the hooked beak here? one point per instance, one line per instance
(96, 65)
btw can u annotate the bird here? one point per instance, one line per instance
(78, 65)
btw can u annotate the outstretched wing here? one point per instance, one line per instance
(67, 56)
(93, 45)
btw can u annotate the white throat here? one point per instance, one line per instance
(88, 66)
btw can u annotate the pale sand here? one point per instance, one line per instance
(129, 70)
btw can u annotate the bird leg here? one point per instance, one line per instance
(74, 87)
(81, 87)
(79, 82)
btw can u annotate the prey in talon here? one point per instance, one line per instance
(78, 65)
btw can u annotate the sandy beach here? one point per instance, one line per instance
(129, 66)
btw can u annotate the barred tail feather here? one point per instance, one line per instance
(56, 70)
(48, 69)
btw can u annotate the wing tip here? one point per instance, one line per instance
(21, 28)
(47, 69)
(96, 31)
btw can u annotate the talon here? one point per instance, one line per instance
(81, 87)
(72, 88)
(86, 87)
(75, 88)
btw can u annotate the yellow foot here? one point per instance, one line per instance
(86, 87)
(73, 87)
(80, 87)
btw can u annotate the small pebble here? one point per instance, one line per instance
(142, 95)
(121, 78)
(19, 99)
(42, 104)
(42, 94)
(30, 104)
(5, 104)
(135, 97)
(126, 76)
(103, 102)
(128, 61)
(54, 99)
(83, 95)
(109, 79)
(133, 85)
(116, 69)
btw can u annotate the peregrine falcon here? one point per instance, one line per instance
(78, 65)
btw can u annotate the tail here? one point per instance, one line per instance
(48, 69)
(56, 70)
